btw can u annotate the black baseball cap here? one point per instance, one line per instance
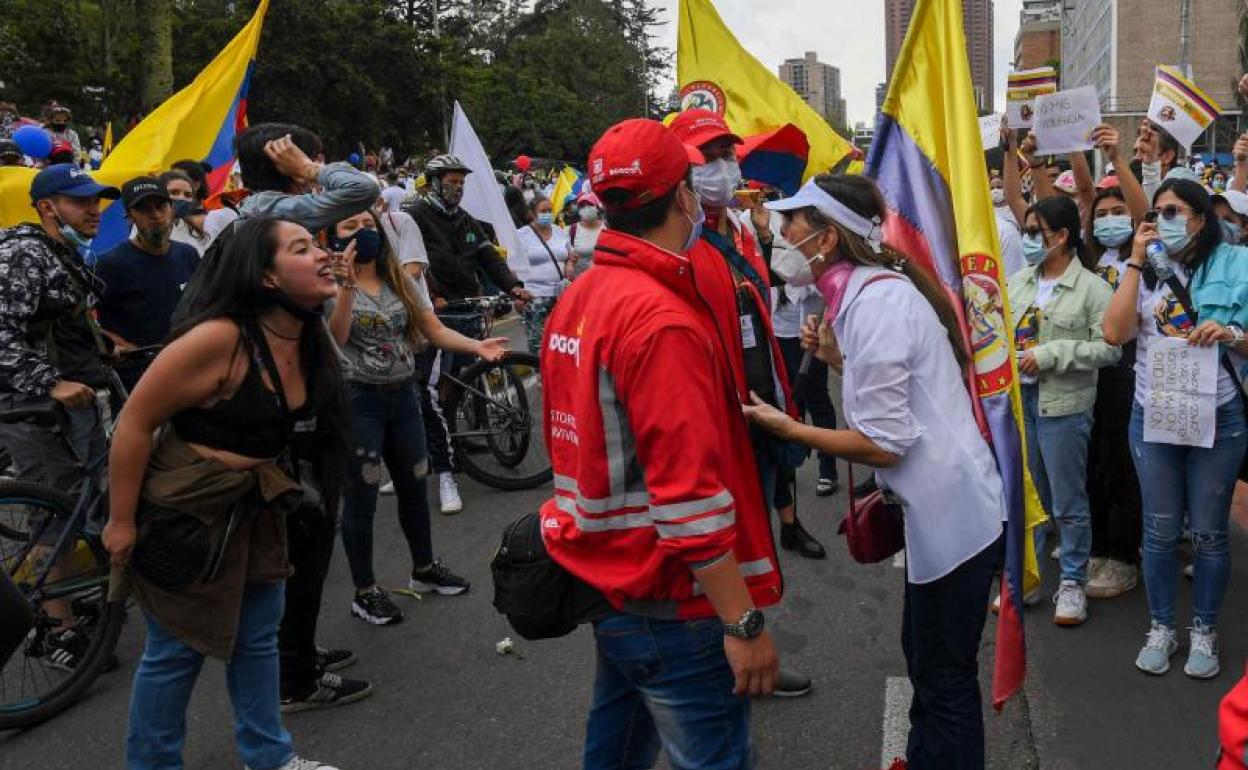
(10, 150)
(142, 187)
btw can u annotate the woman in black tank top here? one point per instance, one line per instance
(249, 363)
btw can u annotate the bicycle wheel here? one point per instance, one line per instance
(494, 424)
(33, 687)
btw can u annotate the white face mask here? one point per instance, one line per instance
(792, 266)
(998, 196)
(716, 181)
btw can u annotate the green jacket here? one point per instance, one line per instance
(1070, 344)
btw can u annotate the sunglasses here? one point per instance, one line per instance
(1171, 211)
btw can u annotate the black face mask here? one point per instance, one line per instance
(59, 126)
(283, 300)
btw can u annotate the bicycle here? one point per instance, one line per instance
(51, 556)
(490, 409)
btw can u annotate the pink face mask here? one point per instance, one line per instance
(832, 285)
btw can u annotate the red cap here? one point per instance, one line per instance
(642, 157)
(697, 127)
(60, 145)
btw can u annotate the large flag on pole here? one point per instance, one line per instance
(715, 73)
(929, 162)
(483, 197)
(565, 184)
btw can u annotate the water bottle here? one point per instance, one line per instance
(1155, 251)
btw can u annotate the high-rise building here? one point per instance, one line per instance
(1039, 39)
(976, 24)
(819, 84)
(1101, 47)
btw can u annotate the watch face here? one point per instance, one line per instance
(752, 622)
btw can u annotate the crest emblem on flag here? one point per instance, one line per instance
(703, 95)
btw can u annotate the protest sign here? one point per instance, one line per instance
(1021, 92)
(990, 131)
(1064, 121)
(1180, 107)
(1180, 405)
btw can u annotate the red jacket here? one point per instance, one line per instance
(1233, 728)
(654, 473)
(717, 286)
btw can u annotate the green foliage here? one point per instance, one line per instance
(544, 77)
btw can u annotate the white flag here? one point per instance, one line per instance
(483, 198)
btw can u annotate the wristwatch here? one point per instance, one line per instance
(748, 627)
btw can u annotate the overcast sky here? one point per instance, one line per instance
(848, 34)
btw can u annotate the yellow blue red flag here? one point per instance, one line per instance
(716, 73)
(928, 160)
(199, 122)
(565, 185)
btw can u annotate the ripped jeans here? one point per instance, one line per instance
(385, 425)
(1178, 479)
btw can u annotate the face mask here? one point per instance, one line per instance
(715, 182)
(1173, 233)
(77, 239)
(182, 207)
(58, 127)
(156, 240)
(697, 219)
(451, 194)
(279, 297)
(1219, 185)
(546, 219)
(1033, 249)
(367, 245)
(1232, 233)
(589, 214)
(1112, 231)
(998, 196)
(793, 266)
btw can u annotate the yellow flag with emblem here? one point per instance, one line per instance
(716, 73)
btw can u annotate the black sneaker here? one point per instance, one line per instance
(792, 685)
(437, 578)
(64, 649)
(334, 660)
(331, 690)
(375, 607)
(794, 537)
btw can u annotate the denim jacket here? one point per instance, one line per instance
(345, 192)
(1070, 346)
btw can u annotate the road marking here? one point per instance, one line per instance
(899, 559)
(897, 696)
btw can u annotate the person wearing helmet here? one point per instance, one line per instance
(459, 249)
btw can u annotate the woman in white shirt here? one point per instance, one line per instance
(910, 417)
(583, 234)
(542, 262)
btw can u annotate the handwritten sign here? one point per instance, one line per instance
(1181, 403)
(990, 131)
(1064, 121)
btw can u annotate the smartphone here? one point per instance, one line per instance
(748, 198)
(1150, 216)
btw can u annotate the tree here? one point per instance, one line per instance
(156, 51)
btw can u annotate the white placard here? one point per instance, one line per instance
(1020, 113)
(1064, 121)
(990, 131)
(1182, 399)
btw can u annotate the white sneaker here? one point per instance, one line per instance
(1030, 599)
(1159, 645)
(1072, 604)
(1056, 553)
(448, 494)
(299, 763)
(1202, 656)
(387, 488)
(1114, 578)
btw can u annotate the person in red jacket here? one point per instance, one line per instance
(656, 502)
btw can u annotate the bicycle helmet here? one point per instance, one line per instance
(443, 164)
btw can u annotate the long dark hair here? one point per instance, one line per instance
(862, 197)
(229, 283)
(1061, 213)
(1201, 203)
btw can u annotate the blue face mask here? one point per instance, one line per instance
(1034, 250)
(546, 219)
(697, 220)
(1173, 233)
(1112, 231)
(367, 245)
(1232, 233)
(182, 207)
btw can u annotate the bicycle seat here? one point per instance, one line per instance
(43, 414)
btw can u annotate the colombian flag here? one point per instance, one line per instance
(777, 158)
(199, 122)
(929, 163)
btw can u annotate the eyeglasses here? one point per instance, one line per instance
(1171, 211)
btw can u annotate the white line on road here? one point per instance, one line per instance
(897, 696)
(899, 559)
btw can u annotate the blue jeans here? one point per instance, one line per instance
(941, 626)
(665, 683)
(166, 675)
(385, 425)
(535, 313)
(1057, 453)
(1199, 482)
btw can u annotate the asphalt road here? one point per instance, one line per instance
(445, 699)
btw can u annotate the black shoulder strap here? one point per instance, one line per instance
(546, 246)
(1185, 297)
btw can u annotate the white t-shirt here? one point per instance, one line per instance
(584, 240)
(1111, 267)
(1027, 330)
(532, 263)
(393, 196)
(182, 233)
(1161, 314)
(404, 236)
(1011, 241)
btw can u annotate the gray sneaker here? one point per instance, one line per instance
(1159, 645)
(1114, 578)
(1072, 604)
(1202, 655)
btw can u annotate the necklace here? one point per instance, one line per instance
(278, 334)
